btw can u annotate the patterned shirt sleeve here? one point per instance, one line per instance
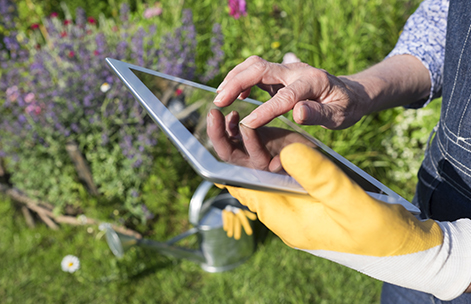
(424, 36)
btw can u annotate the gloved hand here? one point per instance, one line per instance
(234, 219)
(341, 222)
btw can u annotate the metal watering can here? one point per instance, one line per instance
(217, 252)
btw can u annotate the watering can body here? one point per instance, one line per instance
(217, 252)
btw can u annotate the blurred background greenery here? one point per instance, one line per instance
(342, 37)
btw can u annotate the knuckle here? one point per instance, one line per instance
(317, 73)
(303, 65)
(287, 95)
(255, 58)
(260, 64)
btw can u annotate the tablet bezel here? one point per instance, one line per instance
(207, 166)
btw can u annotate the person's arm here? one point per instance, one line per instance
(396, 81)
(316, 97)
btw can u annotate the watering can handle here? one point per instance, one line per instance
(197, 200)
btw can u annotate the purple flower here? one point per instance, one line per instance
(52, 96)
(237, 8)
(124, 12)
(8, 12)
(213, 63)
(147, 214)
(177, 54)
(104, 139)
(81, 17)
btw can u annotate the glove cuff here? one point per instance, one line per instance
(443, 270)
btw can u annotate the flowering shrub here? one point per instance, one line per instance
(57, 90)
(406, 145)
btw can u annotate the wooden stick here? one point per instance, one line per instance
(28, 217)
(50, 223)
(81, 167)
(44, 211)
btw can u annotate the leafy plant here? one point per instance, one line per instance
(58, 91)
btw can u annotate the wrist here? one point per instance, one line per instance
(363, 91)
(396, 81)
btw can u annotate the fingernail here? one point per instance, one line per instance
(218, 98)
(232, 123)
(304, 112)
(240, 97)
(221, 86)
(247, 121)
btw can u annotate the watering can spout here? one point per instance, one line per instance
(119, 243)
(217, 252)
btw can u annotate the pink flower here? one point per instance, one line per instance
(34, 26)
(13, 93)
(237, 8)
(91, 20)
(33, 109)
(67, 22)
(71, 54)
(152, 12)
(29, 97)
(54, 15)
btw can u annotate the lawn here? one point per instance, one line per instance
(31, 272)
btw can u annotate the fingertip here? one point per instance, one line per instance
(250, 120)
(221, 86)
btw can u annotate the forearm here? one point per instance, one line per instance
(396, 81)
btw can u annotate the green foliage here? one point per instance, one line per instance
(61, 92)
(168, 191)
(406, 143)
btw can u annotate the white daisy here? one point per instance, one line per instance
(70, 263)
(105, 87)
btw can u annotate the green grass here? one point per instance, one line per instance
(31, 273)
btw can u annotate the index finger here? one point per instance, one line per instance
(251, 72)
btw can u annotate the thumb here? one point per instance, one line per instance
(321, 178)
(309, 112)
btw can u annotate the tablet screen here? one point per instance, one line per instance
(217, 129)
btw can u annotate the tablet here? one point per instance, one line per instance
(181, 107)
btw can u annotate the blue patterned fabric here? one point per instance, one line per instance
(424, 36)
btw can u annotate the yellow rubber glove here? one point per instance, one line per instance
(341, 222)
(234, 219)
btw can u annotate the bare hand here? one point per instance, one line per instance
(315, 96)
(239, 145)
